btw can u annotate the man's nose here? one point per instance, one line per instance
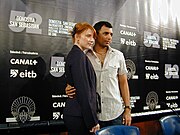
(109, 36)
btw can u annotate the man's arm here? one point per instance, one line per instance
(70, 91)
(124, 88)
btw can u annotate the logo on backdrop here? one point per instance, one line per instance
(131, 67)
(57, 66)
(59, 104)
(128, 35)
(151, 68)
(151, 40)
(17, 61)
(151, 101)
(18, 22)
(23, 108)
(22, 74)
(171, 71)
(57, 115)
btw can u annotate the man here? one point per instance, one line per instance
(109, 65)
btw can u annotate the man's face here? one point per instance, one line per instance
(104, 37)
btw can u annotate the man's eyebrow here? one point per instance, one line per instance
(108, 33)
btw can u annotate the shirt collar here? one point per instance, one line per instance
(92, 52)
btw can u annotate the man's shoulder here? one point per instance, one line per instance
(116, 51)
(89, 52)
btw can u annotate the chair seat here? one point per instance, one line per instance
(119, 130)
(170, 125)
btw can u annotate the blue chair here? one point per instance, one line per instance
(118, 130)
(170, 125)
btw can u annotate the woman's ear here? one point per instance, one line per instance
(77, 36)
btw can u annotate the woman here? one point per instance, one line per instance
(80, 112)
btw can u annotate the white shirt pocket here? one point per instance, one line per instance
(113, 70)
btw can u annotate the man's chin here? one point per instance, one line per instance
(106, 45)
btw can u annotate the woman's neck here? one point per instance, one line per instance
(79, 47)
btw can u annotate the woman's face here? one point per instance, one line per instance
(86, 39)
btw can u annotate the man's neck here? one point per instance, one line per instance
(100, 49)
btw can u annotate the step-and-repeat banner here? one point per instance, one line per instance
(35, 40)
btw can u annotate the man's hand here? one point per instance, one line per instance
(127, 117)
(70, 91)
(95, 128)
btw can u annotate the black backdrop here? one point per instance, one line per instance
(34, 42)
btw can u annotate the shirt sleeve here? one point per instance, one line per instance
(123, 68)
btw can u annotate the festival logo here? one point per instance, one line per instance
(23, 108)
(171, 71)
(152, 100)
(57, 66)
(131, 67)
(151, 40)
(18, 22)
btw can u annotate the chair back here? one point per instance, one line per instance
(170, 125)
(118, 130)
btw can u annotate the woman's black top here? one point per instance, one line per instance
(80, 74)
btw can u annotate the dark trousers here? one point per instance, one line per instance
(76, 125)
(117, 121)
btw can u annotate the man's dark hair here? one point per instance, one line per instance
(99, 24)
